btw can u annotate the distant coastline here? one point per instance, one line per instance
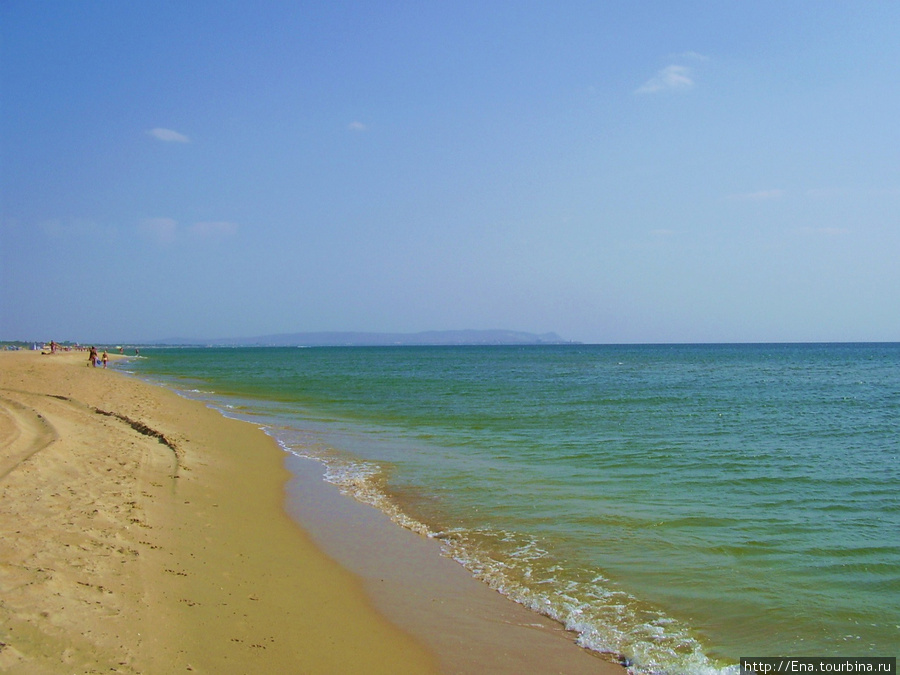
(363, 339)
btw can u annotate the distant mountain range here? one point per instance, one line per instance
(447, 337)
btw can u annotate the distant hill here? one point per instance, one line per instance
(450, 337)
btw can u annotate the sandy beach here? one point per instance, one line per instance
(145, 533)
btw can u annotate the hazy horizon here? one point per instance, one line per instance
(249, 341)
(612, 172)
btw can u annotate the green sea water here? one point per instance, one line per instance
(679, 505)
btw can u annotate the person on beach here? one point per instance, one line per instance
(105, 358)
(92, 357)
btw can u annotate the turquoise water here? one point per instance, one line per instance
(679, 505)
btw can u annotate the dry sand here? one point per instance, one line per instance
(141, 532)
(123, 554)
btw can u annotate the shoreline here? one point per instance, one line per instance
(199, 565)
(468, 625)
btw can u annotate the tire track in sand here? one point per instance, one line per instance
(23, 433)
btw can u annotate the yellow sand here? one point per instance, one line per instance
(144, 533)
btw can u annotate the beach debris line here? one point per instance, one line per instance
(142, 428)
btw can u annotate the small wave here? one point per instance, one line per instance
(606, 620)
(364, 481)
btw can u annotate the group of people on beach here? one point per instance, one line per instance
(92, 358)
(53, 347)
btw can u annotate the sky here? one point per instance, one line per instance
(616, 171)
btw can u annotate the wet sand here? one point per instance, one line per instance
(472, 628)
(144, 532)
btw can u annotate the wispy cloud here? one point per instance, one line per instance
(159, 230)
(165, 231)
(75, 228)
(357, 126)
(760, 196)
(674, 77)
(213, 229)
(168, 135)
(689, 56)
(670, 78)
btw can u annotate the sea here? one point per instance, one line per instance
(680, 506)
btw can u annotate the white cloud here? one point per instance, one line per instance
(213, 229)
(357, 126)
(670, 78)
(160, 230)
(761, 196)
(168, 136)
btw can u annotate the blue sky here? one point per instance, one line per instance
(613, 171)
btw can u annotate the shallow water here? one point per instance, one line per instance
(680, 505)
